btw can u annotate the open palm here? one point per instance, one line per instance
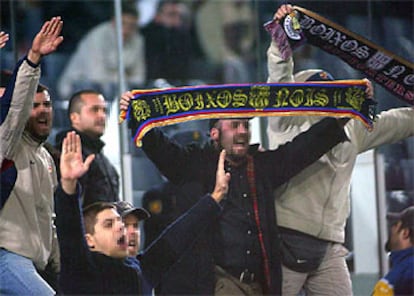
(48, 39)
(72, 166)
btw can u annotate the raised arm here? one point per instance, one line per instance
(16, 102)
(183, 232)
(222, 179)
(47, 40)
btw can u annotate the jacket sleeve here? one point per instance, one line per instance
(178, 163)
(16, 105)
(177, 238)
(291, 158)
(390, 127)
(74, 251)
(279, 70)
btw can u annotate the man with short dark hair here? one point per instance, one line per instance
(87, 113)
(28, 174)
(243, 257)
(400, 279)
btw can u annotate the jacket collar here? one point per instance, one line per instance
(95, 145)
(31, 140)
(400, 255)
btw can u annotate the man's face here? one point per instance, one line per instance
(109, 237)
(133, 234)
(129, 26)
(233, 136)
(92, 117)
(172, 15)
(40, 120)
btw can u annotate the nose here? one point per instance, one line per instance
(121, 226)
(242, 129)
(102, 113)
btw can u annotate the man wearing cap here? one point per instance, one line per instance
(243, 257)
(400, 279)
(131, 217)
(95, 255)
(312, 208)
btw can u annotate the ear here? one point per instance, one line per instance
(214, 134)
(405, 233)
(74, 117)
(90, 241)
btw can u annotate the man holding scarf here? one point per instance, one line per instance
(312, 207)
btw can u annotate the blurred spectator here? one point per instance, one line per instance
(95, 62)
(170, 43)
(226, 34)
(87, 114)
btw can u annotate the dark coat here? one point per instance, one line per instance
(86, 272)
(272, 168)
(101, 182)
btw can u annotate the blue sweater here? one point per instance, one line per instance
(400, 279)
(86, 272)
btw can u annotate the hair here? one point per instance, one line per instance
(91, 211)
(411, 235)
(41, 88)
(128, 7)
(76, 102)
(162, 3)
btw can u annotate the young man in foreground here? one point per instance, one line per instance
(94, 256)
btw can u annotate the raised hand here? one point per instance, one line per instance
(222, 179)
(3, 39)
(283, 10)
(370, 89)
(47, 40)
(72, 166)
(125, 100)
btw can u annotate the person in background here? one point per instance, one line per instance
(170, 44)
(94, 64)
(131, 217)
(93, 243)
(400, 279)
(312, 208)
(87, 113)
(28, 174)
(226, 30)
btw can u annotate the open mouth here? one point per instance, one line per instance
(121, 241)
(42, 121)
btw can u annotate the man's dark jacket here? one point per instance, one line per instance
(84, 272)
(101, 182)
(272, 168)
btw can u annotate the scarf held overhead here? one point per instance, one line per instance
(161, 107)
(394, 73)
